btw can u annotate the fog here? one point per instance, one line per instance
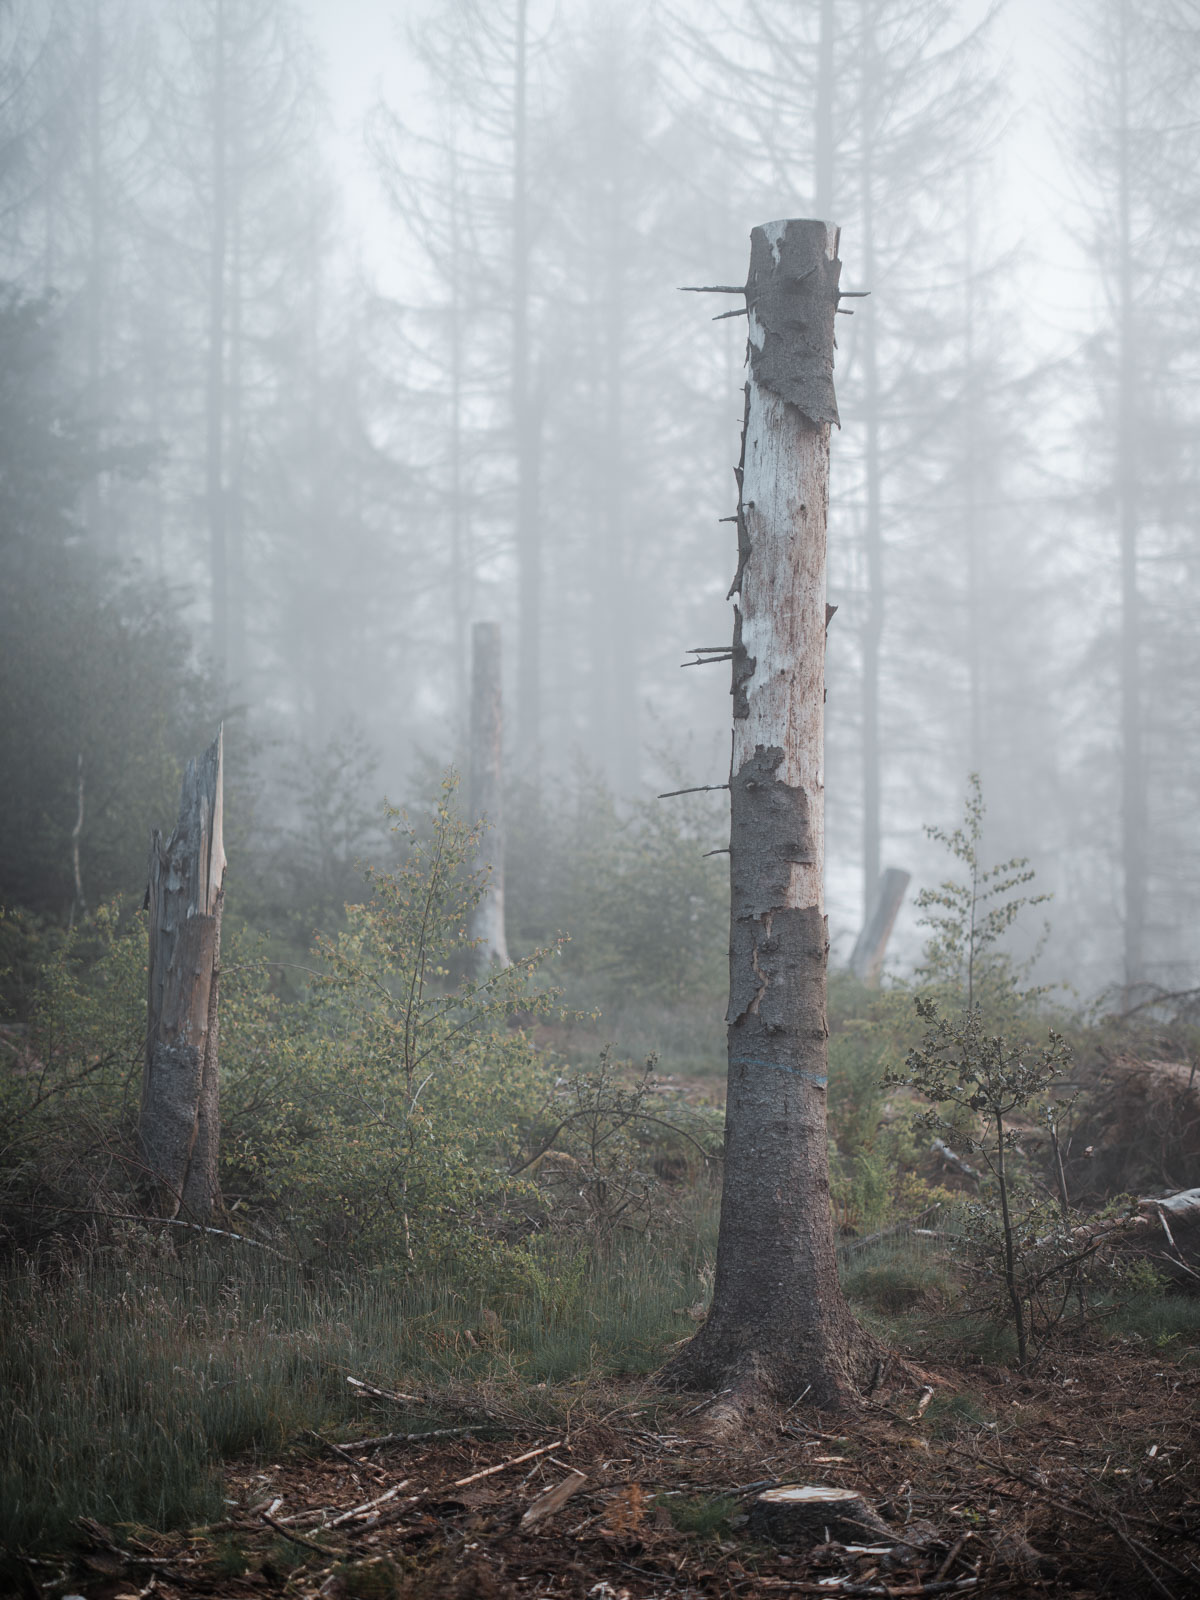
(364, 326)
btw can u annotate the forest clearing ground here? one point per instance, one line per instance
(1081, 1479)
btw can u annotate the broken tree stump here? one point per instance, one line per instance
(178, 1126)
(813, 1513)
(866, 961)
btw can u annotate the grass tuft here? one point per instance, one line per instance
(1160, 1320)
(123, 1392)
(899, 1275)
(704, 1518)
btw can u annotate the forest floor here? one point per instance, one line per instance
(1082, 1479)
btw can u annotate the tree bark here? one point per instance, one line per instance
(779, 1326)
(486, 795)
(179, 1123)
(811, 1513)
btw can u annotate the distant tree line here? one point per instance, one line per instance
(239, 476)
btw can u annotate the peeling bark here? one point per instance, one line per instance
(179, 1122)
(778, 1324)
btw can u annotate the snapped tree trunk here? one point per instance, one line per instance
(779, 1327)
(866, 961)
(486, 795)
(179, 1123)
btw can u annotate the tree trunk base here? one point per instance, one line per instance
(834, 1370)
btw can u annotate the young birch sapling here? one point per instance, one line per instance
(975, 1076)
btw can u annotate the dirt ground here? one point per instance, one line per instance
(1082, 1480)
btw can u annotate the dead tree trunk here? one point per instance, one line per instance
(866, 961)
(486, 795)
(179, 1122)
(779, 1327)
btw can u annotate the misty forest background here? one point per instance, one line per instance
(274, 437)
(299, 384)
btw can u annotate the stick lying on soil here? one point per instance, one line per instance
(369, 1505)
(503, 1466)
(385, 1394)
(298, 1538)
(401, 1438)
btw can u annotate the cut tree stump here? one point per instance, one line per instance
(811, 1513)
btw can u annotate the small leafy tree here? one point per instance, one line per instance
(407, 1089)
(969, 916)
(975, 1078)
(982, 1080)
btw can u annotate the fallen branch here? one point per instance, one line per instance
(385, 1394)
(165, 1222)
(99, 1535)
(400, 1438)
(503, 1466)
(369, 1505)
(298, 1538)
(1073, 1506)
(854, 1586)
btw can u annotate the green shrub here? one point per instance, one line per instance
(70, 1079)
(398, 1097)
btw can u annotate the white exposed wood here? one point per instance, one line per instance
(783, 609)
(812, 1512)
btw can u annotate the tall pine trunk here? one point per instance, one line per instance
(779, 1326)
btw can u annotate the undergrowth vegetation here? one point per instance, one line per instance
(129, 1378)
(446, 1186)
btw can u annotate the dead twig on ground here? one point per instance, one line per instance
(369, 1505)
(503, 1466)
(298, 1538)
(386, 1394)
(400, 1438)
